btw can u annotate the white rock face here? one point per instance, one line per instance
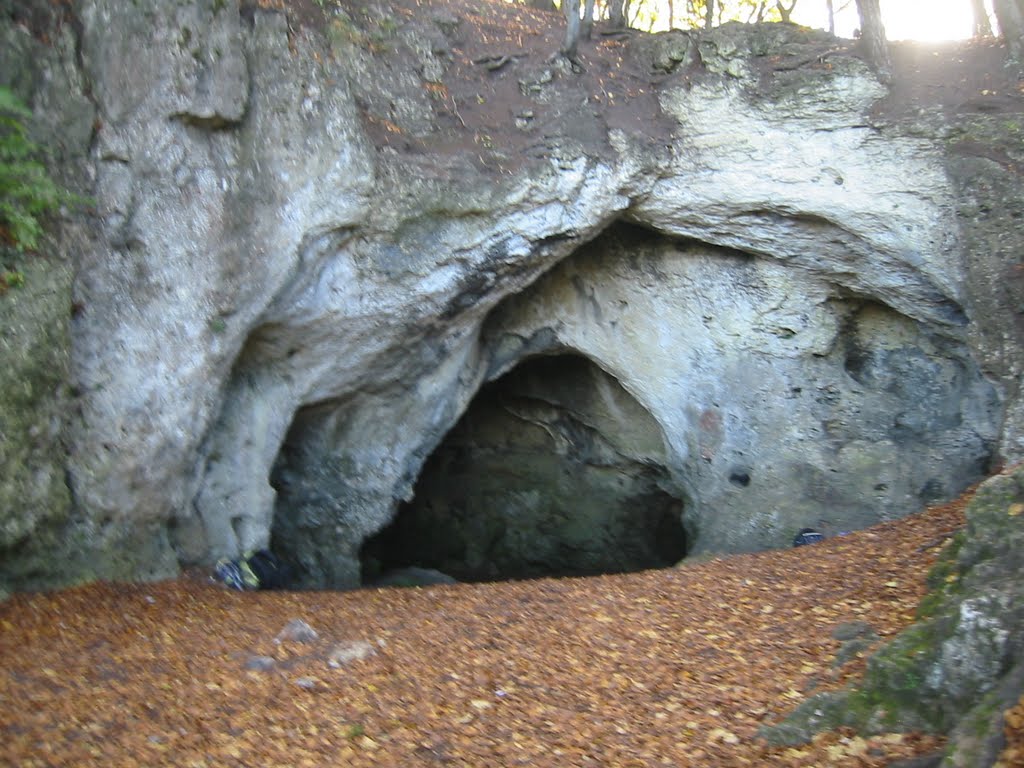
(783, 405)
(812, 186)
(203, 228)
(281, 323)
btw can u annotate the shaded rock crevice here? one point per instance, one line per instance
(554, 470)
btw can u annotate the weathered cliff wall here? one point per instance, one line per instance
(784, 403)
(313, 243)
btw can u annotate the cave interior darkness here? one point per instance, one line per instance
(554, 470)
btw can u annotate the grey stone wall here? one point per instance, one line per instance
(257, 281)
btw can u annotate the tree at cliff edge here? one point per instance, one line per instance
(872, 32)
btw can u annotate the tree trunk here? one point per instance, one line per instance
(671, 14)
(571, 11)
(709, 14)
(982, 25)
(785, 12)
(617, 14)
(542, 5)
(829, 5)
(1010, 16)
(873, 38)
(588, 20)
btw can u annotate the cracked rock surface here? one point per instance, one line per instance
(317, 237)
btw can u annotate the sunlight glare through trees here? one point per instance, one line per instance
(903, 19)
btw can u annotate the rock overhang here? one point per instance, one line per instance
(372, 275)
(800, 187)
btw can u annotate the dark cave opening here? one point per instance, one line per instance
(553, 470)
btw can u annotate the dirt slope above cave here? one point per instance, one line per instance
(501, 95)
(675, 667)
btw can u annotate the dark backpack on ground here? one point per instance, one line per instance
(259, 570)
(270, 572)
(807, 536)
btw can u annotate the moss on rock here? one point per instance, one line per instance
(955, 670)
(44, 540)
(34, 401)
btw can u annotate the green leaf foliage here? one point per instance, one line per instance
(26, 190)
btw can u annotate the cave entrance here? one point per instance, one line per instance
(554, 470)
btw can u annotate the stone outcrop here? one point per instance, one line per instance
(33, 383)
(783, 402)
(280, 309)
(959, 668)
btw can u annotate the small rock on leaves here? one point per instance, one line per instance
(345, 653)
(260, 663)
(298, 631)
(723, 736)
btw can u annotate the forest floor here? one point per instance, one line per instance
(674, 667)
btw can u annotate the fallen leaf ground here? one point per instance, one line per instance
(675, 667)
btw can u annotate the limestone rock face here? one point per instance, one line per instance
(988, 198)
(279, 314)
(206, 218)
(34, 498)
(783, 403)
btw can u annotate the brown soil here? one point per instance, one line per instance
(484, 108)
(960, 78)
(677, 667)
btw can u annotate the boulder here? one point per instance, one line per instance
(959, 668)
